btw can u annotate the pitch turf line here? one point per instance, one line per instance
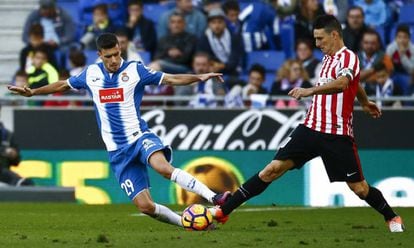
(262, 209)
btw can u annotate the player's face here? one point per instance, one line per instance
(324, 41)
(111, 58)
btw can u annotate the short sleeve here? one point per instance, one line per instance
(349, 65)
(78, 81)
(149, 76)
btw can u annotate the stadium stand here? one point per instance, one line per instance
(154, 11)
(270, 59)
(406, 14)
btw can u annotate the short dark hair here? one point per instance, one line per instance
(230, 5)
(135, 2)
(77, 57)
(258, 68)
(404, 29)
(41, 49)
(355, 8)
(106, 41)
(20, 73)
(371, 31)
(329, 23)
(36, 30)
(306, 41)
(102, 6)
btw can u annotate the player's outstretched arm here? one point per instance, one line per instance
(185, 79)
(368, 106)
(333, 87)
(58, 86)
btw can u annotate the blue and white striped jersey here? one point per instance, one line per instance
(117, 98)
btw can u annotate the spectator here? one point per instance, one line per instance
(372, 58)
(59, 28)
(20, 78)
(128, 51)
(290, 75)
(306, 13)
(116, 10)
(176, 49)
(260, 28)
(225, 49)
(232, 10)
(41, 72)
(36, 40)
(10, 156)
(77, 61)
(141, 30)
(101, 24)
(354, 29)
(194, 19)
(401, 51)
(375, 11)
(257, 76)
(382, 87)
(304, 53)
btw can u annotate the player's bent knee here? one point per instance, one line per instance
(147, 208)
(273, 170)
(360, 190)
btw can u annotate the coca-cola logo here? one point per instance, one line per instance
(252, 129)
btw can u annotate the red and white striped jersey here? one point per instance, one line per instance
(333, 113)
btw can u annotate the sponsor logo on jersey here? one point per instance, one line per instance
(147, 144)
(111, 95)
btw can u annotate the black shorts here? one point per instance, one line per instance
(338, 152)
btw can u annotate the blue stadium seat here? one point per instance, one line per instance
(146, 57)
(270, 59)
(317, 53)
(287, 35)
(91, 56)
(406, 13)
(154, 11)
(116, 10)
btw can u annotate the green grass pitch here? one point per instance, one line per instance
(72, 225)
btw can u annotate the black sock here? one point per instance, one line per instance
(376, 200)
(250, 188)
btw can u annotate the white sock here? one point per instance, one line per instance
(166, 215)
(190, 183)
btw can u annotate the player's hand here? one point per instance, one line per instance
(23, 91)
(372, 109)
(207, 76)
(298, 93)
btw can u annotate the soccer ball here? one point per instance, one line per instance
(196, 217)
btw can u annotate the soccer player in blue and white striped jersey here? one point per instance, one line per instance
(117, 87)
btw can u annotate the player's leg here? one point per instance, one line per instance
(346, 166)
(377, 201)
(256, 184)
(293, 153)
(188, 182)
(146, 205)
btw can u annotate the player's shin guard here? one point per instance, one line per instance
(376, 200)
(166, 215)
(190, 183)
(252, 187)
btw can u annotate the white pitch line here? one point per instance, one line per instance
(262, 209)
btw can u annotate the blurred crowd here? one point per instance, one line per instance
(261, 47)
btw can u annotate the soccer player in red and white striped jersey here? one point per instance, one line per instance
(327, 129)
